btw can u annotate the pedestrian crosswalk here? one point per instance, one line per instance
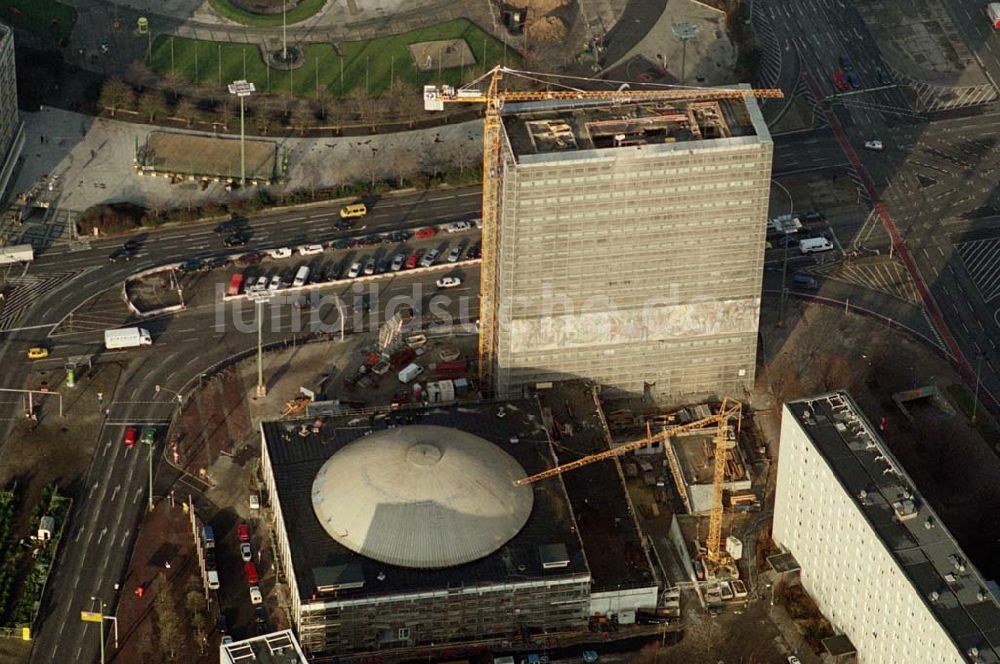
(939, 98)
(981, 259)
(20, 293)
(883, 275)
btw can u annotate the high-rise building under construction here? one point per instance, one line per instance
(630, 248)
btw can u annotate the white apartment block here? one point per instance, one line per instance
(875, 557)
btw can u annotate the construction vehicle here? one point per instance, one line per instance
(718, 562)
(494, 99)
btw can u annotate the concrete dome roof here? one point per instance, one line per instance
(421, 496)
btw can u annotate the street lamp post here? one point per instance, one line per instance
(242, 89)
(284, 33)
(151, 443)
(685, 32)
(259, 299)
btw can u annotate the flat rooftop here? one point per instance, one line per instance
(950, 585)
(275, 648)
(539, 128)
(597, 491)
(296, 460)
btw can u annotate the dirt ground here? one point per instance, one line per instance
(168, 152)
(428, 56)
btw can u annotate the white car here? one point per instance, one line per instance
(283, 252)
(478, 222)
(874, 145)
(254, 501)
(430, 257)
(455, 254)
(255, 596)
(259, 285)
(792, 659)
(397, 262)
(354, 271)
(370, 267)
(457, 227)
(448, 282)
(275, 283)
(310, 249)
(245, 553)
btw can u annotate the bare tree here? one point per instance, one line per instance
(363, 105)
(465, 154)
(323, 103)
(186, 109)
(150, 104)
(404, 163)
(404, 100)
(167, 621)
(373, 167)
(175, 82)
(434, 160)
(302, 117)
(224, 113)
(115, 95)
(264, 121)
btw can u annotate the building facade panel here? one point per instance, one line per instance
(11, 128)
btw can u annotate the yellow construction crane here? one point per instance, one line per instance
(494, 99)
(729, 410)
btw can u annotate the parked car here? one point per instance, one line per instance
(840, 81)
(148, 436)
(243, 532)
(874, 145)
(430, 257)
(790, 240)
(845, 63)
(210, 559)
(448, 282)
(226, 639)
(455, 254)
(457, 227)
(854, 79)
(426, 232)
(255, 596)
(335, 271)
(251, 258)
(399, 236)
(882, 77)
(412, 261)
(792, 659)
(310, 249)
(804, 281)
(254, 501)
(475, 251)
(370, 267)
(281, 252)
(343, 224)
(251, 573)
(260, 284)
(37, 353)
(397, 262)
(245, 553)
(191, 265)
(340, 244)
(275, 283)
(355, 270)
(130, 435)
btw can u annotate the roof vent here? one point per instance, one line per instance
(950, 579)
(934, 596)
(905, 509)
(381, 576)
(973, 653)
(929, 523)
(981, 595)
(957, 563)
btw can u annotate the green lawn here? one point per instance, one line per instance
(384, 58)
(300, 12)
(46, 17)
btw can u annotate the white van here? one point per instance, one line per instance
(301, 276)
(410, 372)
(213, 580)
(815, 244)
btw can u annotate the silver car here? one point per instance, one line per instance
(354, 271)
(430, 257)
(397, 262)
(455, 254)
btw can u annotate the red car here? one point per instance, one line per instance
(427, 231)
(251, 572)
(243, 532)
(130, 435)
(840, 81)
(411, 262)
